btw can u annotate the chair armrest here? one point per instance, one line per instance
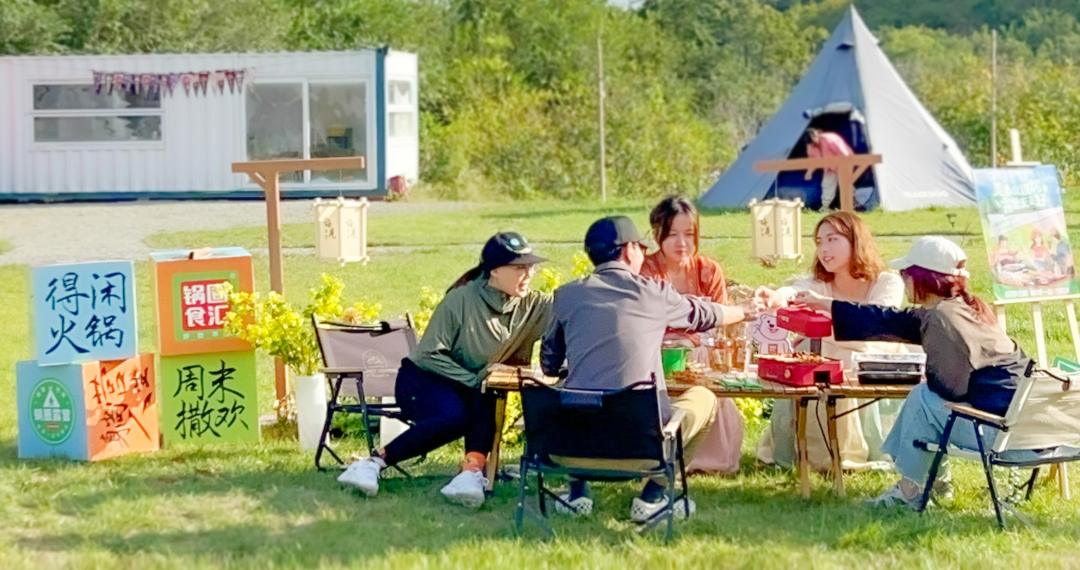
(975, 414)
(674, 424)
(341, 371)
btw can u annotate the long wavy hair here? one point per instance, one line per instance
(866, 263)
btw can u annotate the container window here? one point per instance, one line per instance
(338, 115)
(88, 98)
(402, 125)
(275, 124)
(401, 92)
(97, 129)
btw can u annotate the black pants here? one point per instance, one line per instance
(442, 410)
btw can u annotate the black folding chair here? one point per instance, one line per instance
(1040, 428)
(588, 424)
(361, 362)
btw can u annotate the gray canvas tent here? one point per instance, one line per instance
(853, 90)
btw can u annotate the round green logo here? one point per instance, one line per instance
(52, 412)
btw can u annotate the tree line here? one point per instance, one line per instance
(509, 88)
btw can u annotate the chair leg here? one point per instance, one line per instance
(330, 410)
(680, 457)
(671, 503)
(1031, 483)
(935, 465)
(540, 494)
(519, 514)
(989, 468)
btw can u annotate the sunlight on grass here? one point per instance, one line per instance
(264, 506)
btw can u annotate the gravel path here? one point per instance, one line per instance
(47, 233)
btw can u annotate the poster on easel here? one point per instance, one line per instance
(1026, 237)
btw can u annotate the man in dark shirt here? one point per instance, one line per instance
(608, 327)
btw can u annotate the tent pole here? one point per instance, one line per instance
(993, 98)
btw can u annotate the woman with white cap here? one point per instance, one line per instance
(968, 358)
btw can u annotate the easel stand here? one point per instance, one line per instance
(1040, 348)
(265, 174)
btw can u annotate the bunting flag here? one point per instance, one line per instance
(174, 78)
(165, 83)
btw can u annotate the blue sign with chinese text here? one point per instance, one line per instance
(84, 312)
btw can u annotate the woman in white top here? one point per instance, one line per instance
(846, 266)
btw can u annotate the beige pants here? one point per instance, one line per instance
(700, 407)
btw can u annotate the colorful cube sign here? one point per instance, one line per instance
(88, 411)
(84, 312)
(209, 398)
(190, 306)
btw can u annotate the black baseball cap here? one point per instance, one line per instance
(608, 233)
(508, 248)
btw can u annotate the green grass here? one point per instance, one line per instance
(551, 222)
(265, 507)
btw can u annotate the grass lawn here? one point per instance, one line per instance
(265, 507)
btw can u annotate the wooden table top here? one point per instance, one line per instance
(507, 378)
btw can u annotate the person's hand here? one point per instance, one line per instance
(813, 301)
(751, 308)
(771, 298)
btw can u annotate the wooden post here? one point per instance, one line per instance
(848, 170)
(993, 98)
(266, 173)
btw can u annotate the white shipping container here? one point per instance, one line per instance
(59, 138)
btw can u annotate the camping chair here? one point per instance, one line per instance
(1039, 429)
(592, 424)
(361, 362)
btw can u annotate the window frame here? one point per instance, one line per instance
(411, 107)
(370, 113)
(33, 114)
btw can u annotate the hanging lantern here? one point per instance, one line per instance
(342, 227)
(777, 230)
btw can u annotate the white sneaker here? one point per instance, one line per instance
(582, 506)
(363, 475)
(894, 497)
(642, 511)
(466, 489)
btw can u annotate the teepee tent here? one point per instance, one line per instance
(853, 90)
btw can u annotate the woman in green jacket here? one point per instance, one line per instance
(489, 316)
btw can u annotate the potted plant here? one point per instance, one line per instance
(274, 326)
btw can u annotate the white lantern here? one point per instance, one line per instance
(342, 228)
(777, 230)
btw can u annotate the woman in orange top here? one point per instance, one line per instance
(676, 228)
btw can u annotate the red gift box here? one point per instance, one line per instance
(805, 322)
(788, 370)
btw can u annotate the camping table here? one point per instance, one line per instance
(503, 380)
(851, 388)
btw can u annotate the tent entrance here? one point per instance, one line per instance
(847, 122)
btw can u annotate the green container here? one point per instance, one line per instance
(674, 359)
